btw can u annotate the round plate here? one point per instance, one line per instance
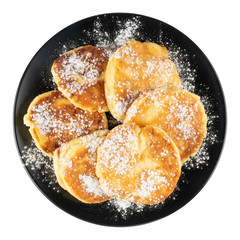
(197, 75)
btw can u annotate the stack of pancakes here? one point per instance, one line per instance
(140, 160)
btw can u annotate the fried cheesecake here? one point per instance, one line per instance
(74, 165)
(135, 68)
(138, 164)
(80, 76)
(178, 112)
(54, 120)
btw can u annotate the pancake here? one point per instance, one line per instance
(178, 112)
(54, 120)
(74, 164)
(134, 68)
(57, 169)
(79, 75)
(140, 165)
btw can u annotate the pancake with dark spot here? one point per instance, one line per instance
(54, 120)
(79, 75)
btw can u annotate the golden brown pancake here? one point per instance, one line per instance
(57, 169)
(79, 75)
(75, 163)
(134, 68)
(140, 165)
(178, 112)
(54, 120)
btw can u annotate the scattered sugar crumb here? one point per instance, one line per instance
(127, 30)
(92, 184)
(186, 71)
(124, 208)
(40, 166)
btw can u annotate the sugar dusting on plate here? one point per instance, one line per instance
(41, 166)
(127, 30)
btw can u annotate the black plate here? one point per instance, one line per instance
(36, 80)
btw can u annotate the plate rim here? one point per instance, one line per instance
(224, 112)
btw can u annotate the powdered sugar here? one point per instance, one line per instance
(122, 106)
(93, 143)
(124, 208)
(51, 120)
(151, 183)
(118, 157)
(40, 166)
(34, 158)
(92, 184)
(66, 162)
(127, 30)
(185, 116)
(186, 71)
(75, 66)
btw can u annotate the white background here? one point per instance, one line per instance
(26, 26)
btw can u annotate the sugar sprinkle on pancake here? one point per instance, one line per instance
(134, 68)
(141, 165)
(178, 112)
(54, 120)
(74, 164)
(79, 74)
